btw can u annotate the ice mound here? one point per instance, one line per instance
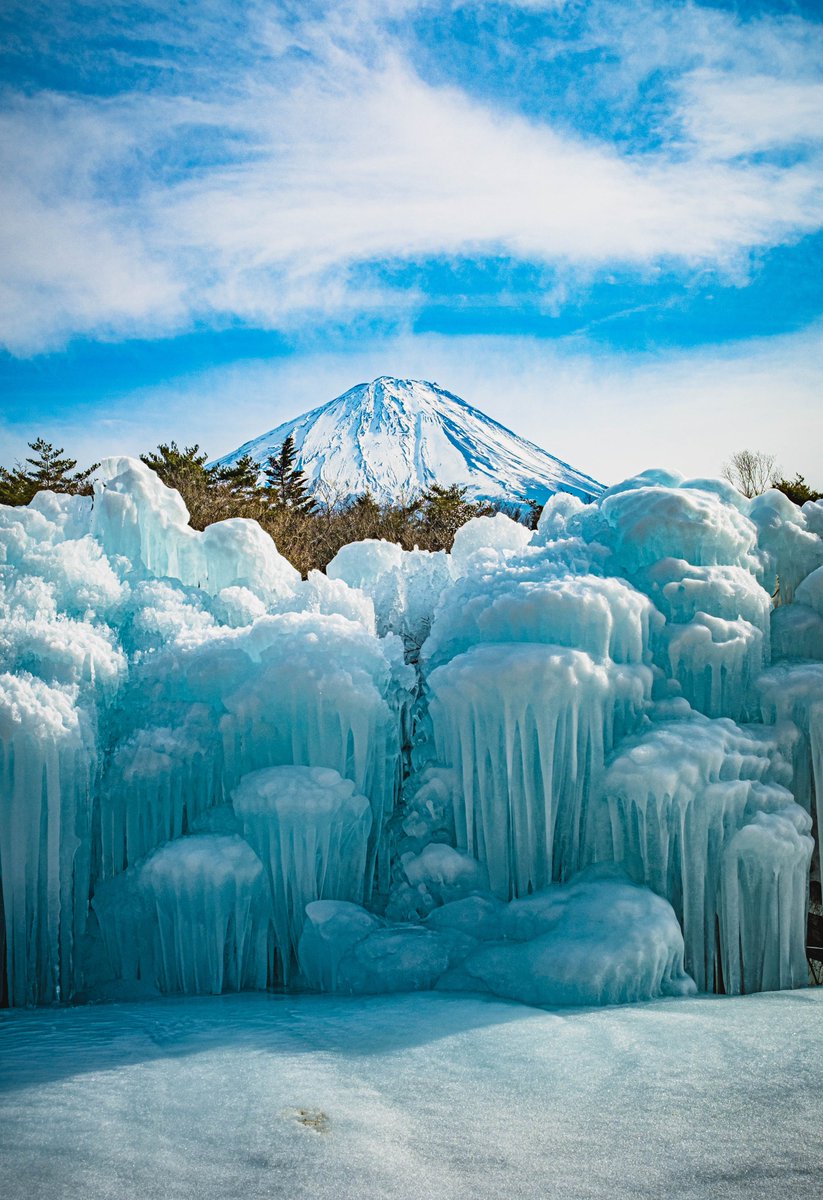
(311, 830)
(789, 540)
(605, 617)
(488, 538)
(389, 776)
(597, 940)
(345, 949)
(193, 917)
(137, 516)
(437, 874)
(591, 941)
(646, 524)
(403, 585)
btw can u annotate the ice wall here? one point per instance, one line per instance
(148, 668)
(390, 776)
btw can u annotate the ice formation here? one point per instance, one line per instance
(579, 765)
(598, 939)
(193, 917)
(311, 831)
(698, 811)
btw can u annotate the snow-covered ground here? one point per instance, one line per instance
(415, 1096)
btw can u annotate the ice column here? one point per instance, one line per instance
(194, 917)
(47, 765)
(159, 780)
(677, 797)
(527, 728)
(763, 900)
(791, 698)
(322, 691)
(311, 830)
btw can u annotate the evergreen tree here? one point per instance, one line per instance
(180, 468)
(797, 490)
(442, 510)
(47, 469)
(534, 513)
(365, 504)
(240, 478)
(288, 487)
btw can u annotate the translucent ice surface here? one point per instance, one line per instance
(47, 767)
(311, 830)
(682, 800)
(404, 585)
(597, 940)
(193, 917)
(527, 728)
(352, 781)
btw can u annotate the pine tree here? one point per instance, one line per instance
(797, 490)
(442, 510)
(288, 487)
(47, 470)
(240, 478)
(176, 466)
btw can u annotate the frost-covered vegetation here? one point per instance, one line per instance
(575, 764)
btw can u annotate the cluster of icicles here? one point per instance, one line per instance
(580, 765)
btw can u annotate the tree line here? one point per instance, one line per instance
(308, 527)
(753, 471)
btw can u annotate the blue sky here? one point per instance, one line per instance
(600, 222)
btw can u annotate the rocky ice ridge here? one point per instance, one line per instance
(395, 437)
(573, 766)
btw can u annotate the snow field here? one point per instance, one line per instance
(405, 1097)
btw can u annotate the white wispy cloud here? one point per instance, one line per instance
(747, 114)
(347, 156)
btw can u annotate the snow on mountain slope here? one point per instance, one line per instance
(395, 437)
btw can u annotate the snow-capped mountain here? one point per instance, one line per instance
(395, 437)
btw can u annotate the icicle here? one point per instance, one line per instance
(527, 728)
(193, 918)
(311, 830)
(47, 766)
(677, 798)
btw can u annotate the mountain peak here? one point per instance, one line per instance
(395, 437)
